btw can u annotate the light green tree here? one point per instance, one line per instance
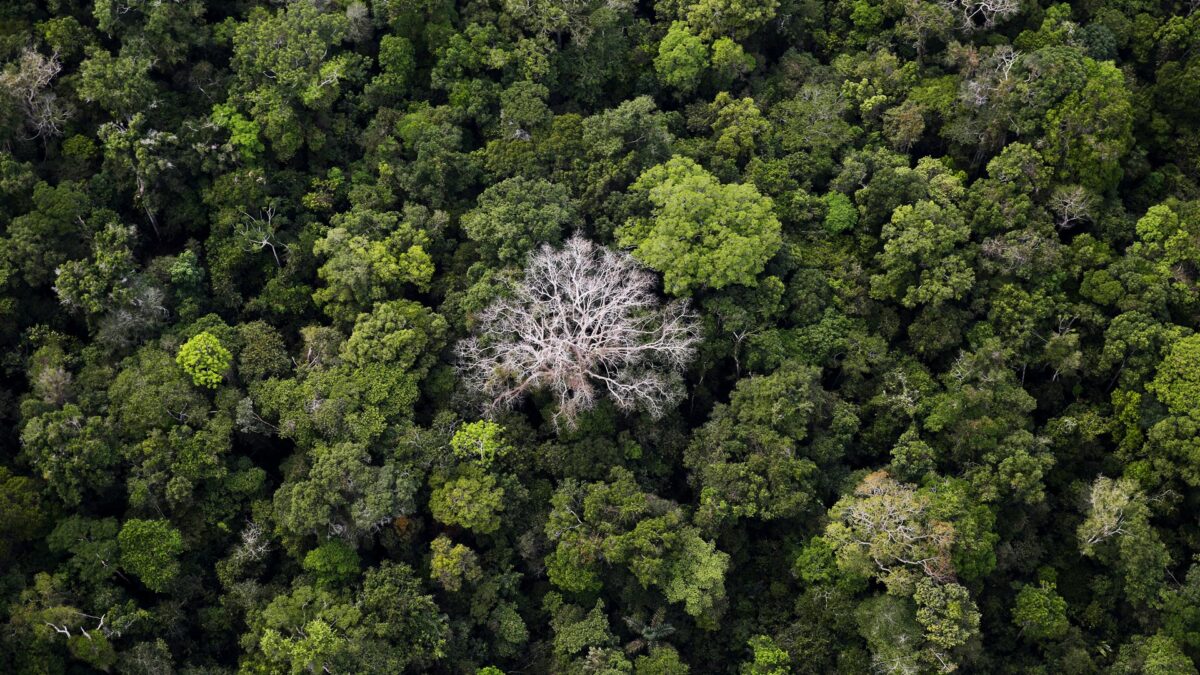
(204, 359)
(452, 564)
(682, 58)
(481, 442)
(701, 233)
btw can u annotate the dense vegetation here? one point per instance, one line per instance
(599, 336)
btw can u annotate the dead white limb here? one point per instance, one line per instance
(1113, 507)
(259, 232)
(1072, 204)
(976, 14)
(583, 322)
(28, 82)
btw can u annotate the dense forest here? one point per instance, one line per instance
(599, 336)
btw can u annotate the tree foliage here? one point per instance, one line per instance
(598, 336)
(701, 233)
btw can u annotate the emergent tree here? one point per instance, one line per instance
(583, 320)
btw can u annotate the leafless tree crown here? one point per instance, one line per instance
(975, 14)
(582, 322)
(28, 82)
(1072, 204)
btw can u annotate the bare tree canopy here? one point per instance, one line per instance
(582, 322)
(28, 83)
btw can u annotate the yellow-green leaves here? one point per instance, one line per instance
(701, 233)
(204, 359)
(682, 58)
(481, 442)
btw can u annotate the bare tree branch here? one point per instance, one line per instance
(583, 321)
(28, 81)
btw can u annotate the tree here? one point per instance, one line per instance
(615, 523)
(71, 451)
(981, 420)
(730, 62)
(1088, 134)
(165, 30)
(389, 625)
(146, 160)
(889, 625)
(243, 133)
(49, 234)
(19, 498)
(1171, 445)
(432, 166)
(401, 334)
(923, 260)
(353, 389)
(336, 492)
(840, 215)
(284, 67)
(451, 564)
(923, 20)
(204, 359)
(1113, 507)
(1117, 529)
(263, 352)
(578, 631)
(481, 442)
(1040, 612)
(682, 58)
(371, 256)
(121, 84)
(950, 619)
(297, 639)
(397, 61)
(151, 392)
(27, 81)
(402, 625)
(758, 457)
(614, 147)
(93, 544)
(515, 216)
(738, 126)
(731, 18)
(886, 529)
(333, 563)
(1154, 655)
(583, 321)
(150, 550)
(1072, 204)
(102, 282)
(470, 498)
(767, 658)
(701, 233)
(811, 126)
(1177, 380)
(981, 14)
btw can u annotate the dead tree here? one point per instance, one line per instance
(28, 82)
(977, 14)
(1072, 204)
(583, 321)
